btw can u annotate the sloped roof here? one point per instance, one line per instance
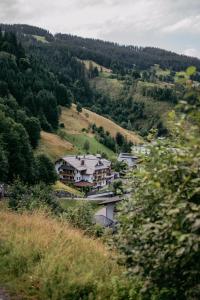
(88, 163)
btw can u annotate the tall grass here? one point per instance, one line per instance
(43, 258)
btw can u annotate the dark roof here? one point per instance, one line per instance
(83, 184)
(111, 200)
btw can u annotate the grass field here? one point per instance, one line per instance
(59, 186)
(108, 86)
(54, 146)
(94, 146)
(65, 203)
(43, 258)
(74, 138)
(94, 64)
(40, 38)
(70, 116)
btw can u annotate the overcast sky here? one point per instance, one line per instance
(169, 24)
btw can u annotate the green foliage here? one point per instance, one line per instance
(119, 166)
(122, 143)
(119, 143)
(159, 228)
(86, 146)
(160, 93)
(64, 95)
(27, 103)
(79, 108)
(104, 137)
(3, 162)
(32, 126)
(24, 197)
(16, 150)
(81, 216)
(95, 147)
(45, 170)
(118, 187)
(191, 70)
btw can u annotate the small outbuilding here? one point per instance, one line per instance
(129, 159)
(106, 215)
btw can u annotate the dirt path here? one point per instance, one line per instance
(4, 295)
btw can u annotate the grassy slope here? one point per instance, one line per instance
(40, 38)
(75, 138)
(106, 85)
(94, 64)
(114, 88)
(41, 258)
(54, 146)
(59, 186)
(69, 118)
(65, 203)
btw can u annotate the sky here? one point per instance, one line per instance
(168, 24)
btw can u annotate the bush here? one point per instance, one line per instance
(81, 216)
(159, 228)
(24, 197)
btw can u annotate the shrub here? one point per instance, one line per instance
(81, 216)
(159, 228)
(24, 197)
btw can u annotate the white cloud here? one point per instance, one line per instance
(171, 24)
(189, 24)
(192, 52)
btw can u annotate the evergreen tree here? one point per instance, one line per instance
(45, 170)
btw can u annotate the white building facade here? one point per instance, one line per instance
(84, 170)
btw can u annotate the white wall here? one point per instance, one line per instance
(107, 211)
(110, 211)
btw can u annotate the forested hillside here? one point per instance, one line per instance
(108, 54)
(119, 57)
(28, 102)
(137, 90)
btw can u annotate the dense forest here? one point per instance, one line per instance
(28, 102)
(119, 57)
(52, 73)
(112, 55)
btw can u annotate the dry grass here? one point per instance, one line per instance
(59, 186)
(40, 38)
(70, 116)
(94, 64)
(42, 258)
(53, 145)
(109, 86)
(74, 121)
(73, 143)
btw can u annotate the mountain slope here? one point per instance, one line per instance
(75, 122)
(71, 139)
(43, 258)
(111, 54)
(95, 73)
(108, 54)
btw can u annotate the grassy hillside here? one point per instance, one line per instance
(59, 186)
(54, 146)
(42, 258)
(41, 39)
(107, 85)
(71, 139)
(85, 118)
(100, 68)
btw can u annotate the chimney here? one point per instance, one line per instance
(82, 162)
